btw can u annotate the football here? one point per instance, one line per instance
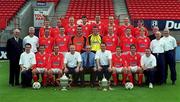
(129, 85)
(36, 85)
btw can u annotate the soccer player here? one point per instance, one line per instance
(88, 66)
(26, 62)
(72, 63)
(103, 59)
(170, 49)
(133, 63)
(143, 42)
(43, 28)
(99, 25)
(122, 28)
(111, 40)
(157, 47)
(62, 41)
(56, 66)
(48, 41)
(55, 30)
(41, 65)
(79, 40)
(126, 41)
(85, 27)
(119, 66)
(136, 30)
(112, 24)
(70, 29)
(32, 39)
(148, 64)
(94, 40)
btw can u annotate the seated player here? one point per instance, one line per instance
(133, 63)
(41, 65)
(55, 66)
(119, 66)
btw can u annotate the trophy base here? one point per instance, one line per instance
(63, 89)
(104, 89)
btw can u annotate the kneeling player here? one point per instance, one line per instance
(133, 62)
(41, 65)
(119, 66)
(56, 66)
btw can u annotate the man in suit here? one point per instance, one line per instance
(14, 50)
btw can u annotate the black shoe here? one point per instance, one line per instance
(17, 84)
(173, 82)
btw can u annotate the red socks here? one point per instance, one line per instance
(114, 75)
(130, 77)
(124, 78)
(140, 79)
(35, 78)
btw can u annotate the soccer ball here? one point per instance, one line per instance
(36, 85)
(129, 85)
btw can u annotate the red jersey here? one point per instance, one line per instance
(56, 61)
(136, 32)
(70, 30)
(42, 30)
(63, 43)
(55, 32)
(115, 27)
(48, 42)
(100, 27)
(123, 28)
(111, 42)
(126, 42)
(86, 29)
(118, 61)
(42, 60)
(133, 60)
(79, 42)
(142, 44)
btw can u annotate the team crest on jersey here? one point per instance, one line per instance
(145, 40)
(120, 59)
(64, 39)
(130, 40)
(135, 58)
(48, 41)
(86, 28)
(44, 58)
(73, 29)
(113, 39)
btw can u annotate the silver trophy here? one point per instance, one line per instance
(104, 84)
(64, 82)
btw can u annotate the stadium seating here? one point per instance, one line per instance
(154, 9)
(90, 8)
(8, 9)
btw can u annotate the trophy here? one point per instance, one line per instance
(104, 84)
(64, 82)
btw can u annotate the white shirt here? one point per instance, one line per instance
(157, 46)
(103, 57)
(27, 59)
(72, 59)
(170, 43)
(34, 41)
(148, 62)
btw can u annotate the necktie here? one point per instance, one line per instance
(87, 60)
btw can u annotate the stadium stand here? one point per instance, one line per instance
(154, 9)
(54, 1)
(9, 8)
(90, 8)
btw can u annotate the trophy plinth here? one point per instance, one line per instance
(64, 82)
(104, 84)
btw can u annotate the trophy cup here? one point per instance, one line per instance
(104, 84)
(64, 82)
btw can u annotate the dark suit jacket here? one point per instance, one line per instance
(14, 49)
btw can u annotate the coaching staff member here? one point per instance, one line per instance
(14, 49)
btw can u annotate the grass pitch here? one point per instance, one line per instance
(163, 93)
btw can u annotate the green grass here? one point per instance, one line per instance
(164, 93)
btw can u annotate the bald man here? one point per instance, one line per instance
(14, 49)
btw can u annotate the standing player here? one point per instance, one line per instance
(143, 42)
(170, 49)
(41, 65)
(137, 29)
(70, 29)
(62, 41)
(43, 28)
(111, 40)
(48, 41)
(79, 40)
(133, 63)
(99, 24)
(85, 27)
(119, 66)
(127, 41)
(32, 39)
(94, 40)
(55, 30)
(55, 66)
